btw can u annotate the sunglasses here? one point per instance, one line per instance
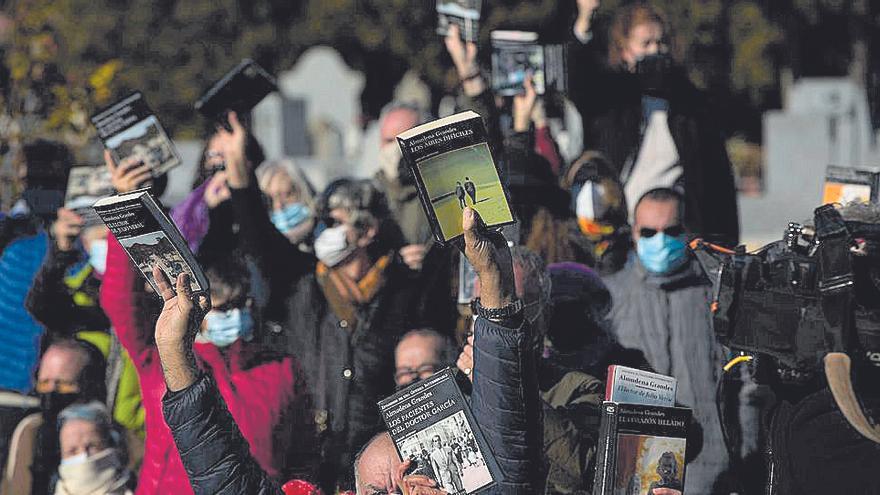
(671, 231)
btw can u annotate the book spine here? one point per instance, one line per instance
(609, 381)
(603, 482)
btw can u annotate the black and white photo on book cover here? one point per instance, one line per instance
(85, 185)
(432, 426)
(463, 13)
(448, 453)
(152, 249)
(129, 128)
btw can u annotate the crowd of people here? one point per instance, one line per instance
(322, 303)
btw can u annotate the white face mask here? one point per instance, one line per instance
(332, 246)
(389, 159)
(98, 255)
(100, 473)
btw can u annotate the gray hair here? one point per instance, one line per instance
(447, 352)
(270, 168)
(423, 115)
(96, 413)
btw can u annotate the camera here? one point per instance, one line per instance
(815, 292)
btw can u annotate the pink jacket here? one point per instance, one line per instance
(266, 399)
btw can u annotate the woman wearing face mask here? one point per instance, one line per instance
(341, 313)
(657, 129)
(262, 387)
(291, 198)
(64, 299)
(93, 453)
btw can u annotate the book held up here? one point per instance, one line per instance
(129, 128)
(463, 13)
(150, 238)
(432, 426)
(517, 54)
(453, 168)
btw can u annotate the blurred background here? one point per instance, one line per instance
(795, 81)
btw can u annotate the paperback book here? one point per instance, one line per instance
(463, 13)
(86, 185)
(846, 184)
(129, 128)
(634, 386)
(641, 448)
(432, 426)
(239, 90)
(150, 238)
(516, 54)
(453, 168)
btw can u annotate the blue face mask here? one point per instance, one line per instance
(290, 216)
(661, 254)
(98, 255)
(225, 327)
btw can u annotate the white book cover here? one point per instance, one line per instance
(634, 386)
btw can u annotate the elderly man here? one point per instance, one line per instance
(211, 445)
(419, 354)
(660, 306)
(71, 372)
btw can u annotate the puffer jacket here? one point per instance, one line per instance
(265, 394)
(505, 402)
(19, 333)
(667, 317)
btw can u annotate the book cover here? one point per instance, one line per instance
(86, 185)
(150, 238)
(641, 448)
(432, 426)
(129, 128)
(634, 386)
(846, 184)
(464, 13)
(239, 90)
(453, 168)
(515, 54)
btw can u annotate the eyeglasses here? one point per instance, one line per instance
(60, 386)
(423, 371)
(671, 231)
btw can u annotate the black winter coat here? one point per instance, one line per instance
(347, 371)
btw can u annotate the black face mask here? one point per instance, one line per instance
(654, 73)
(52, 403)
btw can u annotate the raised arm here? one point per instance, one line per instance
(215, 455)
(505, 401)
(49, 301)
(280, 261)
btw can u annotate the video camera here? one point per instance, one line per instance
(815, 292)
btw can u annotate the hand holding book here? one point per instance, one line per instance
(415, 484)
(176, 328)
(489, 254)
(128, 175)
(464, 57)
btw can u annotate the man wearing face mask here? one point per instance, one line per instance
(342, 312)
(64, 299)
(660, 306)
(654, 125)
(70, 372)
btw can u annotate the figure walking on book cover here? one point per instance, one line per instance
(446, 467)
(459, 193)
(471, 189)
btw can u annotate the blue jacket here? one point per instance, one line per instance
(506, 404)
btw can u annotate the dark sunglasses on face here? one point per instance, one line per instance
(671, 231)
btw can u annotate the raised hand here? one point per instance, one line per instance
(128, 175)
(524, 105)
(586, 9)
(217, 191)
(66, 229)
(464, 57)
(176, 328)
(490, 256)
(415, 484)
(413, 255)
(233, 145)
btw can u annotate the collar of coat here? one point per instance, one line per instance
(345, 295)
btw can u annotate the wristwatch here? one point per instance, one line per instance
(497, 314)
